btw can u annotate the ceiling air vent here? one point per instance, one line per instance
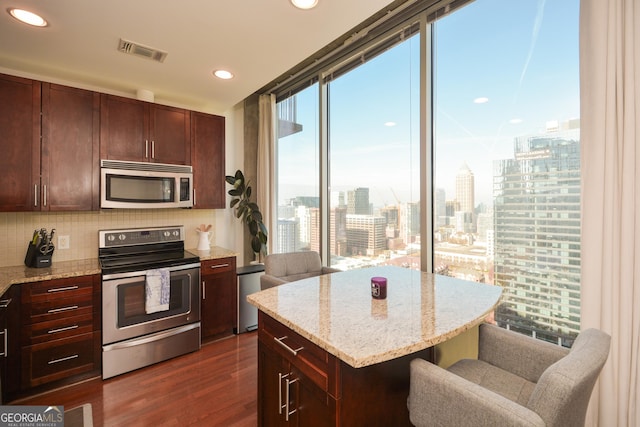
(132, 48)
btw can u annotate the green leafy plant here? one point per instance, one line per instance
(248, 211)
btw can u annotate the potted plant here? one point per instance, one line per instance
(248, 212)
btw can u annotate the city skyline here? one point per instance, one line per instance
(486, 104)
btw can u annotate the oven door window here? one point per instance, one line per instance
(131, 301)
(141, 189)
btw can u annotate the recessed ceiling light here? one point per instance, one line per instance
(27, 17)
(481, 100)
(223, 74)
(515, 121)
(305, 4)
(390, 124)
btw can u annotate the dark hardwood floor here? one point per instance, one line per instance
(216, 386)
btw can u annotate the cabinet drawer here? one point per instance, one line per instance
(314, 362)
(61, 308)
(57, 289)
(58, 359)
(42, 332)
(220, 265)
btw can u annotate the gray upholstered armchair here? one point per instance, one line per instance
(288, 267)
(516, 381)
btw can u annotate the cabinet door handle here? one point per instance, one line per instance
(146, 148)
(287, 412)
(35, 195)
(58, 310)
(194, 197)
(5, 303)
(153, 149)
(280, 406)
(219, 266)
(5, 351)
(62, 359)
(67, 328)
(67, 288)
(44, 195)
(204, 291)
(292, 351)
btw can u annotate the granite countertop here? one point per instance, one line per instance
(84, 267)
(58, 270)
(337, 312)
(214, 253)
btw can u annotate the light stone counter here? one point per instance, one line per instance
(214, 253)
(58, 270)
(337, 312)
(84, 267)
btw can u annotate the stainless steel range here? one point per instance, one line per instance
(150, 297)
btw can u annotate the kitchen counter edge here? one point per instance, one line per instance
(14, 275)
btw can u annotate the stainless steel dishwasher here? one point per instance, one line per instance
(248, 283)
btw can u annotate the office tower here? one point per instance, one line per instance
(391, 215)
(338, 231)
(358, 202)
(288, 235)
(303, 216)
(314, 229)
(440, 208)
(537, 236)
(465, 186)
(484, 225)
(410, 222)
(465, 189)
(365, 235)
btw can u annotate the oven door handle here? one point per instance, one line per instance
(157, 336)
(144, 272)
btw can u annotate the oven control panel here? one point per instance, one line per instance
(140, 236)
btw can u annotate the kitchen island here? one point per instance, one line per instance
(330, 354)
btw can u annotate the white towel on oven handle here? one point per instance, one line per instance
(157, 290)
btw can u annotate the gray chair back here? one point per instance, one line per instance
(293, 265)
(562, 393)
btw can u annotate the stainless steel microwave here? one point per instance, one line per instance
(138, 185)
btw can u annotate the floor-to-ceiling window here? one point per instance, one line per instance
(374, 163)
(501, 78)
(507, 158)
(297, 173)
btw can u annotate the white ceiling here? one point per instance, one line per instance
(257, 40)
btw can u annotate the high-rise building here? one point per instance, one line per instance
(465, 188)
(358, 202)
(338, 231)
(537, 236)
(440, 208)
(366, 235)
(288, 235)
(410, 222)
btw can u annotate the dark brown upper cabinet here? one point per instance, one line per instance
(140, 131)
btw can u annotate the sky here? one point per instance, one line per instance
(521, 56)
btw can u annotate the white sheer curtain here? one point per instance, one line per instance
(610, 128)
(267, 119)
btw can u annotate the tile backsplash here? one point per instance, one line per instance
(16, 229)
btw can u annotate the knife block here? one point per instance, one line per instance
(35, 259)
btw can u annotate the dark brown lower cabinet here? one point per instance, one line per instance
(10, 343)
(289, 398)
(219, 308)
(300, 384)
(60, 332)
